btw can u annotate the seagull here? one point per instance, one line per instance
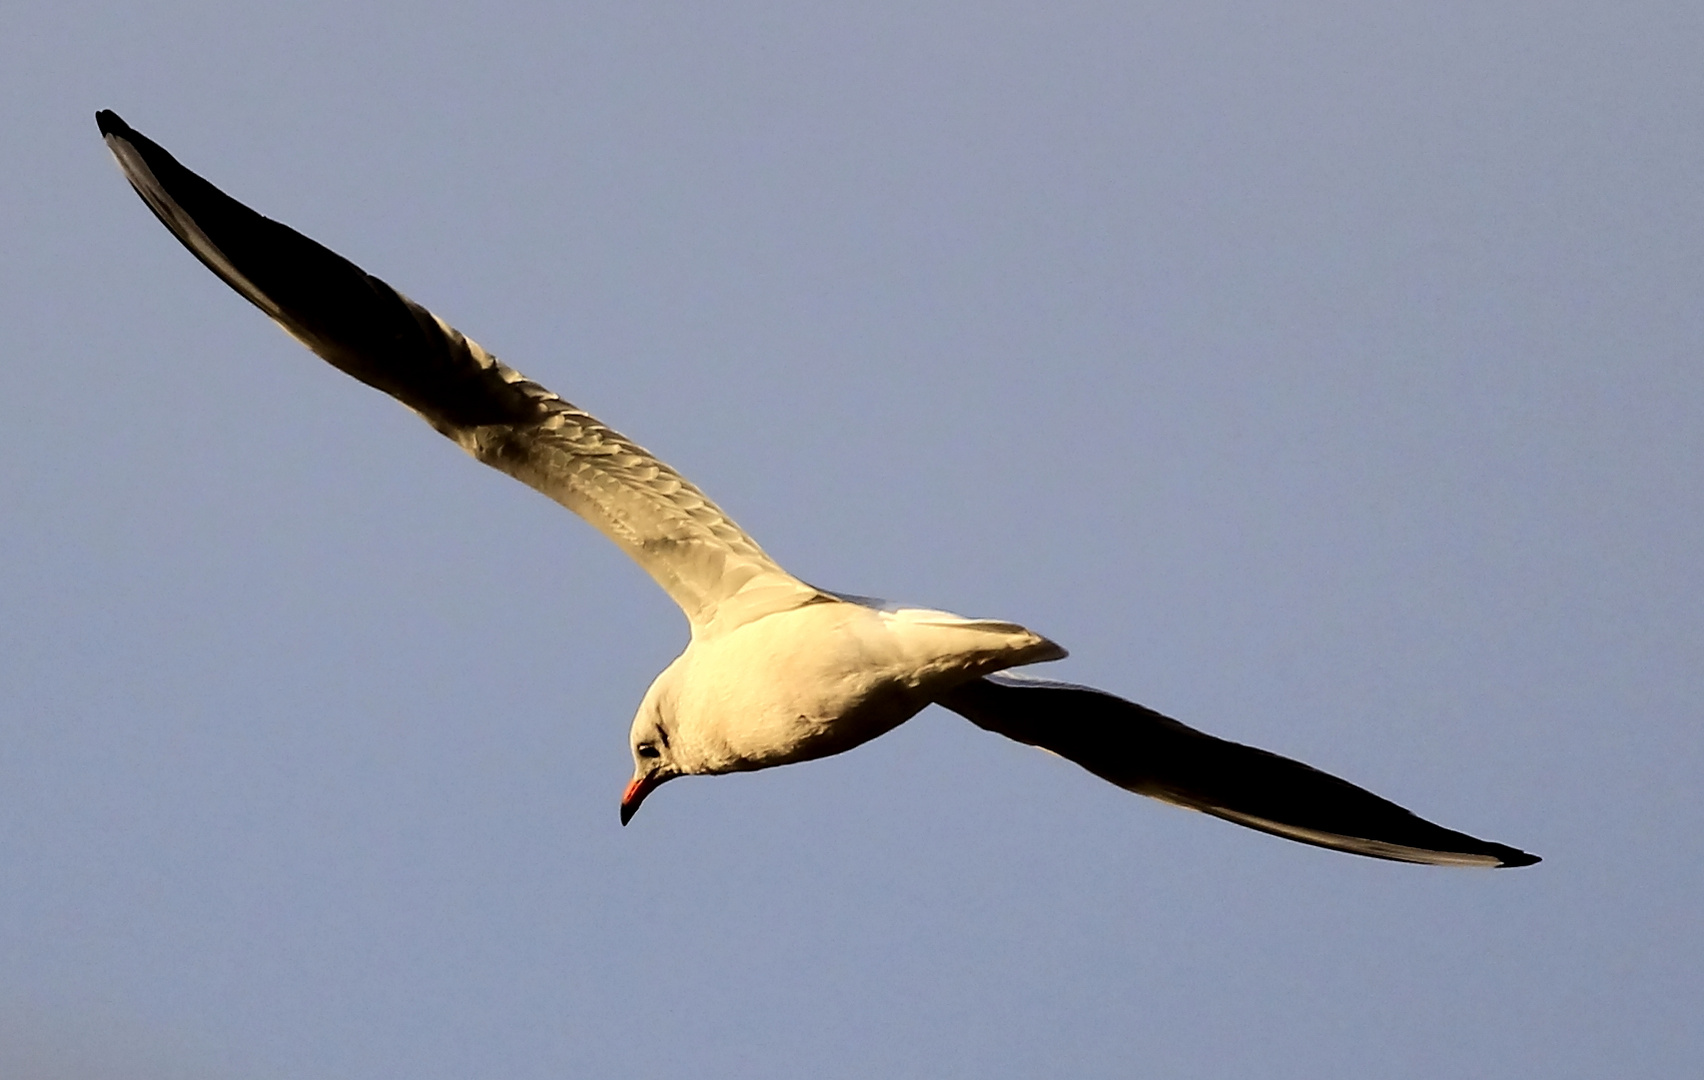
(777, 671)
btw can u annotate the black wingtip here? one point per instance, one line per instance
(1513, 857)
(110, 124)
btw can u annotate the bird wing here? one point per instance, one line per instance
(713, 570)
(1147, 753)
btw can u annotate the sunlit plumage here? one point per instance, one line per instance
(777, 671)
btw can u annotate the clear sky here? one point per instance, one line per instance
(1326, 376)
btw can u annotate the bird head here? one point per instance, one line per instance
(653, 755)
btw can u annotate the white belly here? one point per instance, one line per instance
(823, 678)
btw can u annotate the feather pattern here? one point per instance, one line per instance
(718, 575)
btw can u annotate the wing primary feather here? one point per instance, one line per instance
(353, 320)
(1150, 754)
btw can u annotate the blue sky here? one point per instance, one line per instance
(1327, 378)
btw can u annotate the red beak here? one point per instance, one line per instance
(637, 789)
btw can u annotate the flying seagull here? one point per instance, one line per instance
(777, 671)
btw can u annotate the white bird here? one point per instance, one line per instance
(777, 671)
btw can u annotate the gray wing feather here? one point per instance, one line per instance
(1147, 753)
(707, 564)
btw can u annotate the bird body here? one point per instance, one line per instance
(777, 671)
(817, 680)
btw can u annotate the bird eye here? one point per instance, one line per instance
(649, 750)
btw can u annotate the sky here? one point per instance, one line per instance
(1327, 376)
